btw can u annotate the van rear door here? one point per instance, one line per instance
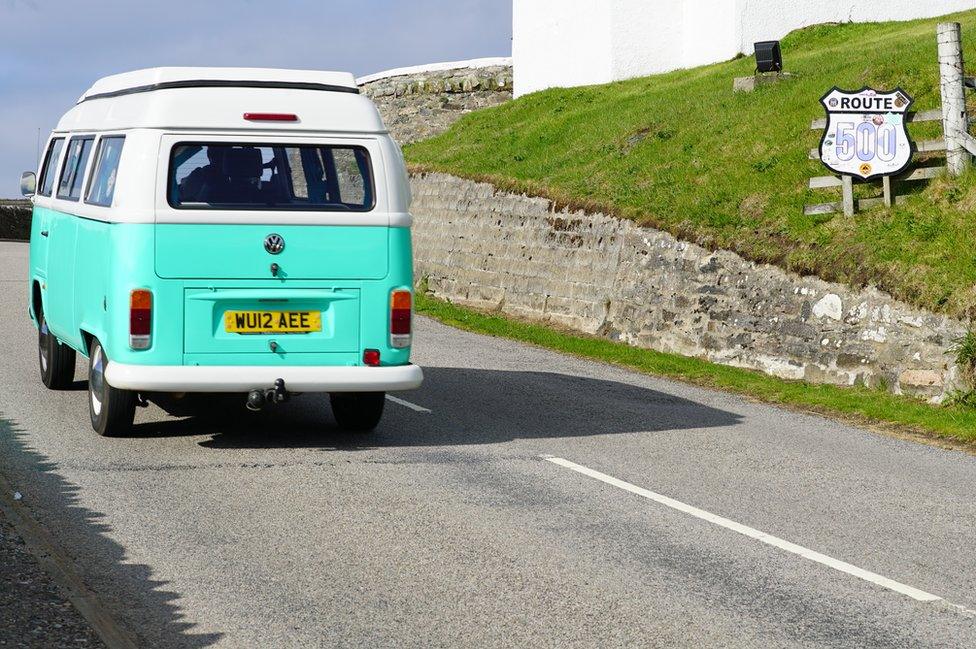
(239, 251)
(273, 238)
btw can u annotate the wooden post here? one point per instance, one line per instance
(889, 199)
(848, 184)
(955, 122)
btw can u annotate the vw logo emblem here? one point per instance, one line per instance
(274, 243)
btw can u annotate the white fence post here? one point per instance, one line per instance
(954, 119)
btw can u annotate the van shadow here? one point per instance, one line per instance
(469, 406)
(85, 533)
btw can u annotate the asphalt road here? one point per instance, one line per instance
(455, 527)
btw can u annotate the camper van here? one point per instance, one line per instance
(223, 230)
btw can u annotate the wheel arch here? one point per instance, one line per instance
(86, 342)
(36, 302)
(89, 333)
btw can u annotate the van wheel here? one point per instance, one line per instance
(357, 411)
(112, 410)
(57, 361)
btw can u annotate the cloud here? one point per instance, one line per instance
(53, 50)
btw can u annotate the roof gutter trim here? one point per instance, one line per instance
(221, 83)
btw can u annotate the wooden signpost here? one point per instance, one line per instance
(957, 144)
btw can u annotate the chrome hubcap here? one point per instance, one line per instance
(96, 380)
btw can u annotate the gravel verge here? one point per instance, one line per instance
(34, 611)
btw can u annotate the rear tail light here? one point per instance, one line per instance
(401, 301)
(140, 319)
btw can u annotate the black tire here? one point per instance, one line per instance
(56, 361)
(111, 410)
(357, 411)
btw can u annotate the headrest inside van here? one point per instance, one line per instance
(243, 163)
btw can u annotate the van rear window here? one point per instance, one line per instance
(270, 177)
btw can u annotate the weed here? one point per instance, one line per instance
(964, 350)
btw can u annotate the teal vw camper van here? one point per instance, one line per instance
(223, 230)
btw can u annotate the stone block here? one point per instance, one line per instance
(750, 83)
(829, 306)
(921, 378)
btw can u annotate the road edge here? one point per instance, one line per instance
(60, 568)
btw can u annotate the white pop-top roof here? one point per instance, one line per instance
(171, 75)
(218, 98)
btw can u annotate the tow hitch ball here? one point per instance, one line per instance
(257, 399)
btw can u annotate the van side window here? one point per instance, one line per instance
(79, 149)
(101, 186)
(50, 164)
(270, 177)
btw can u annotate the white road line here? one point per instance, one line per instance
(806, 553)
(403, 402)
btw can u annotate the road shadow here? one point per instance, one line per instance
(469, 406)
(83, 534)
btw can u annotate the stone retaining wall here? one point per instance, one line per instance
(15, 219)
(478, 246)
(423, 104)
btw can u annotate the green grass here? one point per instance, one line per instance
(863, 405)
(681, 152)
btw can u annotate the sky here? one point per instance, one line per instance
(51, 51)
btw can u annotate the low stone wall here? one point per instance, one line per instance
(423, 104)
(15, 219)
(478, 246)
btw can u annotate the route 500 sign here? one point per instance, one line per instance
(865, 135)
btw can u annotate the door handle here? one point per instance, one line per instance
(43, 233)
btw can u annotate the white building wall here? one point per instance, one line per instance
(561, 43)
(582, 42)
(710, 33)
(759, 24)
(639, 38)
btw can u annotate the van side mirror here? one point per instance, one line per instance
(28, 183)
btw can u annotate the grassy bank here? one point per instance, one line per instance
(681, 152)
(862, 405)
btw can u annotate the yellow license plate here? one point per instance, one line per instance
(272, 322)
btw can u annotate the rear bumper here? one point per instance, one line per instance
(227, 378)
